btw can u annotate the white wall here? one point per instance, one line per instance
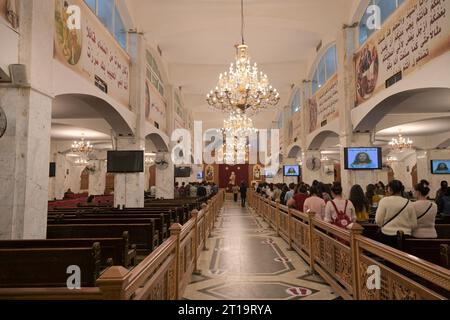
(9, 46)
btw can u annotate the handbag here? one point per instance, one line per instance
(423, 214)
(391, 219)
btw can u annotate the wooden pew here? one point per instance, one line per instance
(47, 267)
(114, 251)
(432, 250)
(158, 221)
(143, 236)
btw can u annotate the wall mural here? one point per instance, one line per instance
(92, 51)
(323, 105)
(157, 107)
(147, 101)
(414, 35)
(297, 125)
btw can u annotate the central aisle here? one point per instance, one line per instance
(247, 261)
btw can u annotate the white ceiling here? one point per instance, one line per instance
(419, 128)
(197, 38)
(68, 132)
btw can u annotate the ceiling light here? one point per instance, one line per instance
(243, 87)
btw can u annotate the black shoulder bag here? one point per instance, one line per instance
(398, 213)
(423, 214)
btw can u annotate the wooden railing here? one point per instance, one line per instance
(343, 257)
(163, 275)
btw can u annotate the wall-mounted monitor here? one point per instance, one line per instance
(182, 172)
(125, 161)
(440, 166)
(363, 158)
(52, 169)
(200, 175)
(291, 171)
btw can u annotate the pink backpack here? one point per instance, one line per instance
(342, 219)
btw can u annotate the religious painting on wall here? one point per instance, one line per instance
(9, 10)
(147, 101)
(257, 175)
(312, 106)
(418, 32)
(209, 173)
(323, 106)
(91, 51)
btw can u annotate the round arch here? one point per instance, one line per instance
(158, 142)
(295, 151)
(73, 104)
(401, 101)
(319, 138)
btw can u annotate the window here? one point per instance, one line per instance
(105, 13)
(296, 102)
(109, 15)
(325, 69)
(92, 4)
(119, 29)
(280, 121)
(153, 73)
(387, 7)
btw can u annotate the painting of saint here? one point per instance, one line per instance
(68, 42)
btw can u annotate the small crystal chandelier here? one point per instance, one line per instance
(401, 143)
(243, 87)
(82, 146)
(150, 159)
(81, 162)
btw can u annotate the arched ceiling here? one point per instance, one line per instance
(197, 39)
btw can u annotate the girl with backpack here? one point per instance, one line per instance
(339, 211)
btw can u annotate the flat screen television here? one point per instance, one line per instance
(52, 169)
(182, 172)
(440, 166)
(125, 161)
(200, 175)
(363, 158)
(291, 171)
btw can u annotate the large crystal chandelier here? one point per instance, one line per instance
(243, 87)
(401, 143)
(82, 147)
(237, 130)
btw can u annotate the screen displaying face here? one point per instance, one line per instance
(440, 166)
(363, 159)
(291, 171)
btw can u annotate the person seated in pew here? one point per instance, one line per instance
(444, 205)
(394, 214)
(69, 194)
(426, 212)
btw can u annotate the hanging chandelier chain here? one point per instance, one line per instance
(242, 22)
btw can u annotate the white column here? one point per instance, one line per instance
(97, 179)
(129, 187)
(309, 175)
(25, 147)
(165, 179)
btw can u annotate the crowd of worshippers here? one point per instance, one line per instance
(195, 189)
(390, 207)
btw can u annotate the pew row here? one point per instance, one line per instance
(161, 275)
(342, 257)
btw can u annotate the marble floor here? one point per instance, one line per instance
(247, 261)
